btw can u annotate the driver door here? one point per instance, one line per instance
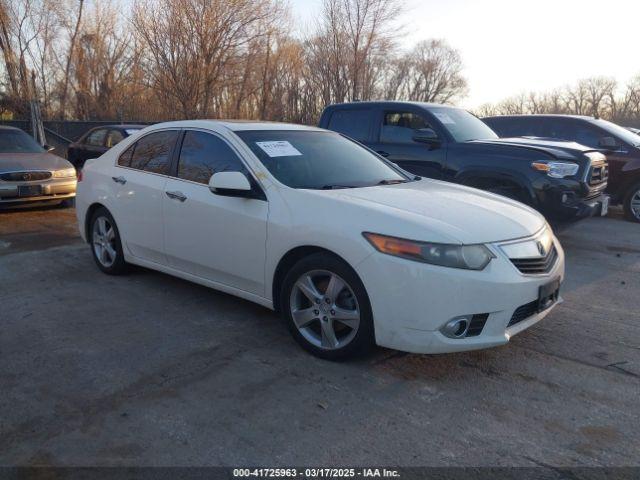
(215, 237)
(395, 134)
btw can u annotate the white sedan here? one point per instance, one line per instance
(351, 250)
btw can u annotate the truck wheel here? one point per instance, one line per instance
(631, 203)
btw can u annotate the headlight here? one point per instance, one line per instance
(470, 257)
(557, 169)
(65, 173)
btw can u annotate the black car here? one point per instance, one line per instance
(562, 180)
(97, 141)
(620, 145)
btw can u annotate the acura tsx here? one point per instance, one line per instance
(349, 248)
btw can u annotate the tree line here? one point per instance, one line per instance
(174, 59)
(601, 97)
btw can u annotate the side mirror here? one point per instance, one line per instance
(230, 184)
(426, 135)
(608, 142)
(48, 148)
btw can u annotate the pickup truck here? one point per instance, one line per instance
(562, 180)
(620, 145)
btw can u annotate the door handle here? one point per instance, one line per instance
(121, 180)
(176, 196)
(383, 153)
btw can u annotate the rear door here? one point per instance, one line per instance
(93, 145)
(355, 123)
(139, 179)
(393, 134)
(216, 237)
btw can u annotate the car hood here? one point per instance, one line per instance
(437, 211)
(557, 148)
(10, 162)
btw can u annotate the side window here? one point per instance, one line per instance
(114, 137)
(124, 160)
(586, 135)
(152, 152)
(96, 138)
(203, 154)
(352, 123)
(399, 127)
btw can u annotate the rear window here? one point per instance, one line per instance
(352, 123)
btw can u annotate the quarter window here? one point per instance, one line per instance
(399, 127)
(125, 159)
(352, 123)
(203, 154)
(96, 138)
(152, 153)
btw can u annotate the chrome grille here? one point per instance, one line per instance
(539, 265)
(25, 176)
(598, 174)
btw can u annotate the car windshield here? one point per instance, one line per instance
(16, 141)
(462, 125)
(318, 160)
(618, 131)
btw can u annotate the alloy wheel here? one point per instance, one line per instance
(324, 309)
(104, 241)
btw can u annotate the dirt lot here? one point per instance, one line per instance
(151, 370)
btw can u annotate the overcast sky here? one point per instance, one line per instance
(510, 46)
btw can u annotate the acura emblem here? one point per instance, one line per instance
(26, 176)
(541, 249)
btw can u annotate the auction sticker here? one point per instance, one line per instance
(279, 148)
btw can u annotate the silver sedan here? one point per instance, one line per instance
(29, 173)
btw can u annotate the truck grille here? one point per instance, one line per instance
(598, 174)
(533, 266)
(27, 176)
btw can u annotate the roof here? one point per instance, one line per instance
(391, 103)
(237, 125)
(121, 126)
(7, 127)
(544, 115)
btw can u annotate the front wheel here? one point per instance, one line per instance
(106, 246)
(327, 308)
(632, 203)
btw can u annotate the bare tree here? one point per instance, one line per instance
(433, 73)
(193, 43)
(69, 57)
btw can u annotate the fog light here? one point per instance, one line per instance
(456, 328)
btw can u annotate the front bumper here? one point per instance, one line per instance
(51, 190)
(568, 200)
(412, 301)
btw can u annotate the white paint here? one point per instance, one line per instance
(235, 244)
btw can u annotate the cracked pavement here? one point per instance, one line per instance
(150, 370)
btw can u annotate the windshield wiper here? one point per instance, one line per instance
(335, 187)
(391, 182)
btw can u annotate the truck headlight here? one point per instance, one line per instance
(470, 257)
(65, 173)
(556, 169)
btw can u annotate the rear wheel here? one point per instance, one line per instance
(632, 203)
(327, 308)
(106, 246)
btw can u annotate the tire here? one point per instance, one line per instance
(106, 246)
(341, 305)
(631, 203)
